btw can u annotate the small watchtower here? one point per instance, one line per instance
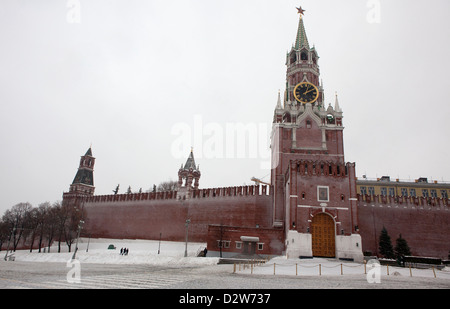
(188, 178)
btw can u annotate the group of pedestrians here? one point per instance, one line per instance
(123, 251)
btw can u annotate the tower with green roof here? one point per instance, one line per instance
(314, 188)
(188, 177)
(83, 183)
(302, 64)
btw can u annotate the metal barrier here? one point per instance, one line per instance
(297, 267)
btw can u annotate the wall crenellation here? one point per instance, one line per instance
(252, 190)
(233, 191)
(321, 168)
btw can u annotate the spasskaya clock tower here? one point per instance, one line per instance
(314, 188)
(303, 68)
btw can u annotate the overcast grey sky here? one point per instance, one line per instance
(127, 75)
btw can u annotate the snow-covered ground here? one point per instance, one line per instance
(332, 267)
(172, 254)
(140, 252)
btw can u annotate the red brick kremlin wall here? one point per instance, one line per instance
(423, 222)
(146, 215)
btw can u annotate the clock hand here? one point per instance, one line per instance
(308, 91)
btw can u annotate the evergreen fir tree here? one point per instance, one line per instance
(401, 247)
(116, 190)
(385, 245)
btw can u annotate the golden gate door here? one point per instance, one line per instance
(323, 235)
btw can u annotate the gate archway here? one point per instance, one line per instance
(323, 236)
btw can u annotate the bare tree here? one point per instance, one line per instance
(17, 219)
(169, 185)
(61, 217)
(4, 233)
(25, 224)
(42, 212)
(32, 225)
(75, 215)
(51, 223)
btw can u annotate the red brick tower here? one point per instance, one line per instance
(83, 183)
(188, 178)
(315, 190)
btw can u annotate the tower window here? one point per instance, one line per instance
(303, 56)
(293, 58)
(323, 194)
(308, 124)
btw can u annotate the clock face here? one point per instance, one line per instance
(306, 93)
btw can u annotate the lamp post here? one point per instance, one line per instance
(89, 240)
(159, 246)
(80, 226)
(187, 229)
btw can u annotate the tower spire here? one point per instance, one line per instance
(336, 104)
(301, 40)
(188, 178)
(279, 101)
(190, 162)
(83, 183)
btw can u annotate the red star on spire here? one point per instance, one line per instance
(301, 11)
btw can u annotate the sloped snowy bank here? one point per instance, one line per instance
(139, 252)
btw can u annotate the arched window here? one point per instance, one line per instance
(304, 56)
(293, 58)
